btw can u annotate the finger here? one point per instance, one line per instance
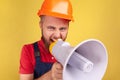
(59, 76)
(57, 71)
(59, 66)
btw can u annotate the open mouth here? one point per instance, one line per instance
(51, 40)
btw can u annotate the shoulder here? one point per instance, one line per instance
(28, 47)
(27, 59)
(27, 51)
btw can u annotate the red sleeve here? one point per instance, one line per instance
(26, 65)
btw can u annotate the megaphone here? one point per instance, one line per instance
(87, 61)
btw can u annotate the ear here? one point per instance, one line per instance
(40, 24)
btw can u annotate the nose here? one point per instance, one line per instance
(57, 35)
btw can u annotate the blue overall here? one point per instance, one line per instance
(40, 67)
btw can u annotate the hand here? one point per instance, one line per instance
(57, 71)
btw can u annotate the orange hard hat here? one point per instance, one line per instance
(57, 8)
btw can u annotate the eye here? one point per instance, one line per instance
(63, 29)
(51, 28)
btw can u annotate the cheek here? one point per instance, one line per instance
(47, 34)
(64, 35)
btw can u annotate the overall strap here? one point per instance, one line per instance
(36, 49)
(40, 67)
(37, 59)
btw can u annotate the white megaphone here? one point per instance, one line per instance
(87, 61)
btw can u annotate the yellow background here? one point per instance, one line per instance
(98, 19)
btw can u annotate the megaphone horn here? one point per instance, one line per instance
(87, 61)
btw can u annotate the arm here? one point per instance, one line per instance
(46, 76)
(26, 68)
(26, 76)
(54, 74)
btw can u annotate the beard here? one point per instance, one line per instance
(46, 42)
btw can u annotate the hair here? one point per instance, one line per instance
(42, 17)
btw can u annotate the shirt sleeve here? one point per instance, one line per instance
(26, 66)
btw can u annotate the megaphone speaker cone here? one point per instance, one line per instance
(87, 61)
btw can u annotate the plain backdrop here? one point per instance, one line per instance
(19, 25)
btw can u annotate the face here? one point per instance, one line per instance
(53, 28)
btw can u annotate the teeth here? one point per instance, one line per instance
(54, 40)
(59, 39)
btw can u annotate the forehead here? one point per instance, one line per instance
(54, 20)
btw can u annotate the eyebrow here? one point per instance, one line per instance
(62, 27)
(50, 26)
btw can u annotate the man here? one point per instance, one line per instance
(36, 61)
